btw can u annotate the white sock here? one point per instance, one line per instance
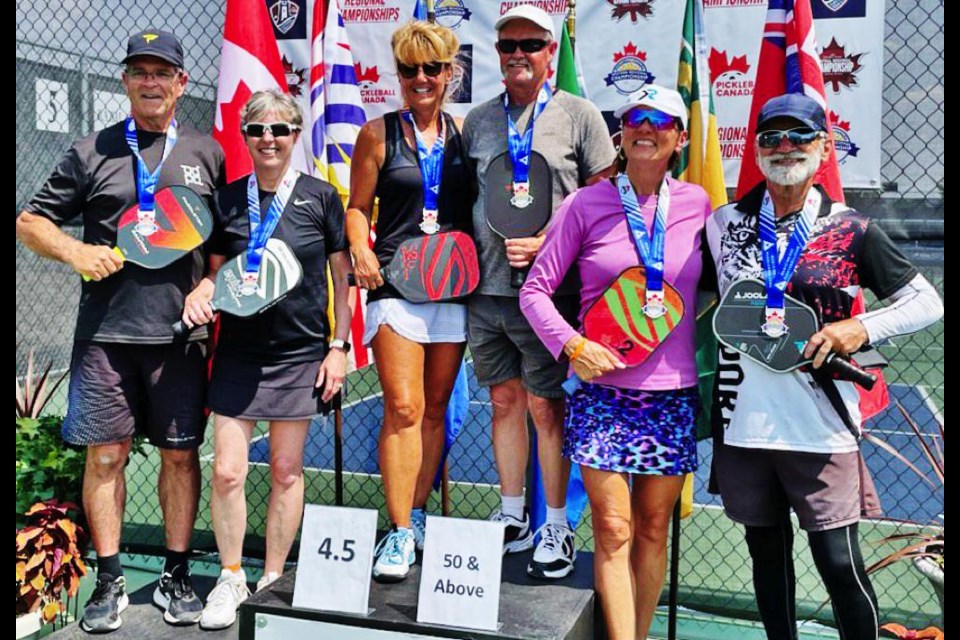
(512, 506)
(557, 517)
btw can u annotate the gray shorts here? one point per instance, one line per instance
(760, 486)
(505, 347)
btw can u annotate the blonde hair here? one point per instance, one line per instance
(419, 42)
(263, 102)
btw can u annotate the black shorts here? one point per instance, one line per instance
(118, 390)
(256, 391)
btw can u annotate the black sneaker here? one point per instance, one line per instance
(102, 611)
(517, 535)
(174, 594)
(555, 553)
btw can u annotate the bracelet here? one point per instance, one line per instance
(578, 350)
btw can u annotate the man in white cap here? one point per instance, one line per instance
(570, 135)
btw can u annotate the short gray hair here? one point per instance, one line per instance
(263, 102)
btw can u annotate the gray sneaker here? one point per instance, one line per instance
(102, 612)
(221, 609)
(174, 594)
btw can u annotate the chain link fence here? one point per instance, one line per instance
(67, 82)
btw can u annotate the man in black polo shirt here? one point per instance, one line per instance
(127, 374)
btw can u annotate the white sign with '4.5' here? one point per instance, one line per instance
(460, 581)
(336, 556)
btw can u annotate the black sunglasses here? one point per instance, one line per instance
(528, 45)
(430, 69)
(799, 136)
(276, 129)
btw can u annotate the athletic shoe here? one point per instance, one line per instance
(395, 553)
(418, 522)
(517, 535)
(102, 611)
(555, 553)
(174, 594)
(266, 580)
(221, 609)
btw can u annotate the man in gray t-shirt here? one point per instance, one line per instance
(522, 375)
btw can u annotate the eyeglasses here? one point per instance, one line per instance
(276, 129)
(430, 69)
(163, 76)
(528, 45)
(799, 136)
(658, 119)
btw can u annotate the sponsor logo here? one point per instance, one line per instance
(839, 8)
(296, 78)
(370, 11)
(368, 80)
(730, 75)
(150, 37)
(756, 295)
(299, 203)
(636, 9)
(191, 175)
(842, 142)
(629, 71)
(839, 67)
(450, 13)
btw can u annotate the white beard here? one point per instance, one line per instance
(792, 175)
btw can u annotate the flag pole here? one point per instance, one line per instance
(572, 23)
(431, 16)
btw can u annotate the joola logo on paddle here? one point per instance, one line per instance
(740, 295)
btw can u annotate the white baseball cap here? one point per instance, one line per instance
(534, 14)
(657, 97)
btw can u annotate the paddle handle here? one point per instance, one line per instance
(180, 329)
(518, 276)
(846, 370)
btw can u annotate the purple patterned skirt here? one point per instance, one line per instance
(633, 431)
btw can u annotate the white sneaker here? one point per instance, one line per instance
(418, 522)
(266, 580)
(221, 609)
(517, 535)
(395, 553)
(555, 553)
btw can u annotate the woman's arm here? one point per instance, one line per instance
(368, 156)
(196, 307)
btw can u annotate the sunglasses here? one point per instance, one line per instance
(276, 129)
(799, 136)
(430, 69)
(658, 119)
(528, 45)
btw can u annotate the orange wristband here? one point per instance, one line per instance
(578, 350)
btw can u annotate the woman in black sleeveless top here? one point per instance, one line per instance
(418, 348)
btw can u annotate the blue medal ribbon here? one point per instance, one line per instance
(431, 170)
(519, 147)
(261, 230)
(147, 181)
(650, 247)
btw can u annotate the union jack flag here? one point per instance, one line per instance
(789, 63)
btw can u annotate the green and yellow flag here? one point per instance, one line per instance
(567, 79)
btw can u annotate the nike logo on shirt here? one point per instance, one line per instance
(297, 203)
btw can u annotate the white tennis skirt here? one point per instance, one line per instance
(424, 323)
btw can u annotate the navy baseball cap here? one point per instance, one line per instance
(153, 42)
(796, 106)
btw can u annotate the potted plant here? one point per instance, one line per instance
(924, 547)
(49, 564)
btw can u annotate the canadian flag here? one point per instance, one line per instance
(249, 62)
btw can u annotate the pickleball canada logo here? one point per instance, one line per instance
(730, 75)
(451, 13)
(369, 82)
(295, 77)
(629, 71)
(839, 67)
(842, 142)
(635, 9)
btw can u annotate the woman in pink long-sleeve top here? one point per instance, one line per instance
(631, 430)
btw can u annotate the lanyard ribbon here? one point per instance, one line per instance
(431, 170)
(147, 181)
(650, 247)
(261, 230)
(777, 269)
(520, 147)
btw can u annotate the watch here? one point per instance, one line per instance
(343, 345)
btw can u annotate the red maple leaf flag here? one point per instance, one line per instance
(249, 62)
(789, 63)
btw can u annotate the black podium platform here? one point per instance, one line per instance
(562, 610)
